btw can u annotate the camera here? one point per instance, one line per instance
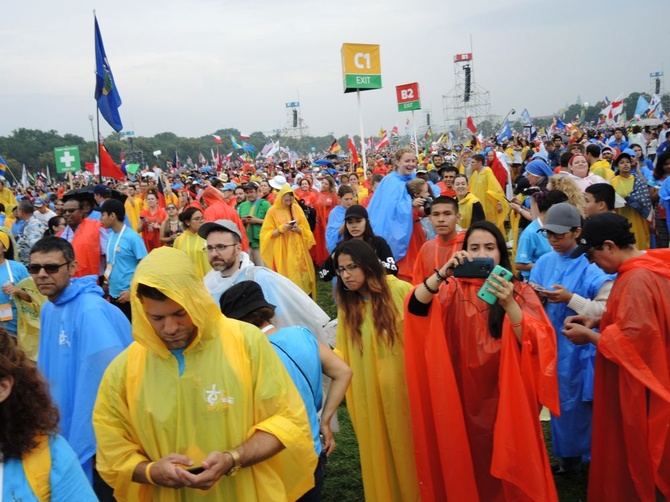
(427, 204)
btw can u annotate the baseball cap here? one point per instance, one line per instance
(422, 170)
(356, 211)
(114, 206)
(250, 186)
(562, 218)
(242, 299)
(604, 227)
(225, 225)
(39, 202)
(101, 190)
(230, 186)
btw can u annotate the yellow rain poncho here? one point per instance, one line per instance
(288, 253)
(484, 185)
(232, 385)
(192, 244)
(378, 404)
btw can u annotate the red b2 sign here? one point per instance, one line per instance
(407, 92)
(408, 97)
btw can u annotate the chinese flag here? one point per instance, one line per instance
(470, 124)
(107, 166)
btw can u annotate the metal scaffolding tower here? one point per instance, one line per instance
(466, 98)
(295, 126)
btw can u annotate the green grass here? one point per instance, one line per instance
(343, 475)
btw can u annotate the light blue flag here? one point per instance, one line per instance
(525, 118)
(641, 107)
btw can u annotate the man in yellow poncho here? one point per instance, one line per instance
(198, 391)
(7, 199)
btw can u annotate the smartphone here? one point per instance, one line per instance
(478, 268)
(292, 222)
(196, 470)
(487, 296)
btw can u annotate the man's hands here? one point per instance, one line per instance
(171, 471)
(578, 329)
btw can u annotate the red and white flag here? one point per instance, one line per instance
(244, 136)
(384, 141)
(470, 124)
(217, 138)
(351, 146)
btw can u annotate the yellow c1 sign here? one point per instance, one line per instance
(361, 67)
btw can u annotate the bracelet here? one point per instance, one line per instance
(440, 277)
(425, 285)
(147, 473)
(517, 324)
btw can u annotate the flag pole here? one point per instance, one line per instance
(97, 118)
(416, 144)
(360, 123)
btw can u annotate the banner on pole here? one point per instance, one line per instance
(67, 159)
(361, 67)
(408, 97)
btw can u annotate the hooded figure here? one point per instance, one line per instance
(216, 208)
(284, 247)
(213, 395)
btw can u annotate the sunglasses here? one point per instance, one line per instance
(50, 268)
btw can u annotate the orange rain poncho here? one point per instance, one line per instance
(288, 253)
(232, 385)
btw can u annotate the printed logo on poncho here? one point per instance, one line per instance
(216, 399)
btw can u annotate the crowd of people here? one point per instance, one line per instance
(160, 337)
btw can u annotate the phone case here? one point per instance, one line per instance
(479, 268)
(485, 295)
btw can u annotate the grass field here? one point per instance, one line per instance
(343, 479)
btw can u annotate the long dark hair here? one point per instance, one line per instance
(28, 411)
(352, 303)
(659, 173)
(367, 236)
(496, 312)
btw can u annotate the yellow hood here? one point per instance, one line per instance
(171, 272)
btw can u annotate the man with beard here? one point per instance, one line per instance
(231, 265)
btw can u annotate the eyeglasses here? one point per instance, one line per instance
(219, 248)
(171, 207)
(553, 235)
(49, 268)
(351, 268)
(71, 210)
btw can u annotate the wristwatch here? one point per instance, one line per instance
(237, 463)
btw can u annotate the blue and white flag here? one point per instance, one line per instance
(506, 132)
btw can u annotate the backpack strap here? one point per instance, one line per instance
(37, 466)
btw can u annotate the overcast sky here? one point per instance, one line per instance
(193, 67)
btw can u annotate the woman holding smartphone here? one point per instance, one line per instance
(475, 374)
(285, 240)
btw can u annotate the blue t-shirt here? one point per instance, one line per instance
(19, 272)
(67, 479)
(532, 245)
(297, 347)
(124, 251)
